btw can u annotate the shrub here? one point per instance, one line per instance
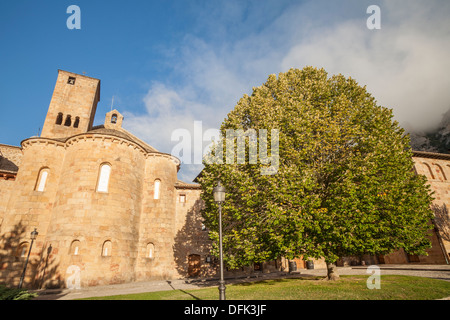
(15, 294)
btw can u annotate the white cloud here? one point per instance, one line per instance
(404, 65)
(168, 111)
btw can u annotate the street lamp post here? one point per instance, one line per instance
(33, 237)
(219, 197)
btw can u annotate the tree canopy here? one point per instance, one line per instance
(344, 183)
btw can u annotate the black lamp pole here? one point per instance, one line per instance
(33, 237)
(219, 197)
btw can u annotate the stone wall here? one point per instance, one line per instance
(28, 208)
(157, 223)
(436, 168)
(10, 158)
(94, 218)
(192, 245)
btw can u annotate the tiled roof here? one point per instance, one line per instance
(431, 155)
(122, 133)
(10, 158)
(184, 185)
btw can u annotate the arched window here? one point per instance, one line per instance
(68, 121)
(157, 189)
(75, 248)
(77, 122)
(106, 248)
(103, 177)
(150, 252)
(114, 118)
(42, 179)
(59, 118)
(22, 250)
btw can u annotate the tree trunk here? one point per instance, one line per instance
(332, 272)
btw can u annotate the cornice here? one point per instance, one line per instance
(97, 136)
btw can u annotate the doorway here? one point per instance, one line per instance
(194, 264)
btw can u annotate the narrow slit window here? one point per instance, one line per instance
(103, 179)
(157, 189)
(150, 250)
(22, 251)
(75, 248)
(42, 180)
(77, 122)
(107, 248)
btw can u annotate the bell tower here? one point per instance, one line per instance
(72, 107)
(113, 120)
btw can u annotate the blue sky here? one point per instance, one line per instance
(170, 63)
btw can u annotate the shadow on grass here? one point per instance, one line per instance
(272, 282)
(181, 290)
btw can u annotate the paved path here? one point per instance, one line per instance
(431, 271)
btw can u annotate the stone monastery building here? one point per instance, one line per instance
(108, 208)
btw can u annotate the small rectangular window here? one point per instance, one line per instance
(106, 250)
(182, 198)
(71, 80)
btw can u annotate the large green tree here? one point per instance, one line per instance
(344, 183)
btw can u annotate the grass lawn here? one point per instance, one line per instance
(393, 287)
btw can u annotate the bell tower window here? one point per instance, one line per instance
(71, 80)
(114, 118)
(68, 121)
(59, 118)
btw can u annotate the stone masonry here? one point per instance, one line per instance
(87, 235)
(109, 208)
